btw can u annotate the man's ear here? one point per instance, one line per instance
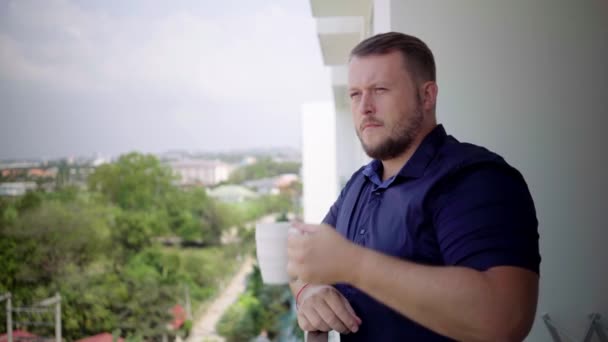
(428, 95)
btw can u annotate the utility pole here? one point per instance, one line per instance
(9, 315)
(56, 300)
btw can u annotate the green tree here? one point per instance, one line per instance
(48, 239)
(31, 199)
(242, 320)
(195, 217)
(262, 307)
(133, 231)
(135, 182)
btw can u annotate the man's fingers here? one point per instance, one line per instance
(350, 309)
(315, 320)
(324, 309)
(343, 311)
(331, 319)
(304, 323)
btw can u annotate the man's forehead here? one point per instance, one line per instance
(375, 68)
(393, 58)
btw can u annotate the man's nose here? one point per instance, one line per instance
(367, 105)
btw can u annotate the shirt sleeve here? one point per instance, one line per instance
(485, 217)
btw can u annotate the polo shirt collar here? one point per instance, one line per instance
(415, 167)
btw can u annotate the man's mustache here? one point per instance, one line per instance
(370, 122)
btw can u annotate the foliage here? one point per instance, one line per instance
(99, 250)
(53, 237)
(195, 217)
(144, 188)
(263, 168)
(133, 231)
(241, 321)
(261, 307)
(249, 210)
(134, 182)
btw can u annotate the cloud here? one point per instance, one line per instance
(117, 76)
(246, 57)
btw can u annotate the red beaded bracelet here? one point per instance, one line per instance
(299, 293)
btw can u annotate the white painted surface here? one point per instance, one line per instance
(319, 174)
(529, 80)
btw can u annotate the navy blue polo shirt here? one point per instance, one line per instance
(452, 203)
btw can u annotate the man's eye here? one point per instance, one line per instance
(380, 90)
(353, 95)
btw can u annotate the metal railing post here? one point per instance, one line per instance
(317, 336)
(9, 315)
(58, 317)
(596, 328)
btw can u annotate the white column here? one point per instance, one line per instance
(319, 173)
(381, 16)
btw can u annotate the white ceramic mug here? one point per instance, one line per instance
(271, 245)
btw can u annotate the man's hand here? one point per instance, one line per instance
(320, 255)
(323, 308)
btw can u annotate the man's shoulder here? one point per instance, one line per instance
(455, 156)
(463, 152)
(461, 161)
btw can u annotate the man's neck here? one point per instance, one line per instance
(392, 166)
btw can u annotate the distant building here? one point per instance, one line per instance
(14, 172)
(263, 186)
(16, 188)
(273, 185)
(232, 193)
(249, 160)
(35, 172)
(42, 173)
(201, 172)
(99, 161)
(286, 180)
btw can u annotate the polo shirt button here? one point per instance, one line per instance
(362, 231)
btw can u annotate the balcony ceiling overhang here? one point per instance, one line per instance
(341, 24)
(340, 8)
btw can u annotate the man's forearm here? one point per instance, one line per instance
(458, 302)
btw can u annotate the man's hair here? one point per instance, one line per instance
(418, 58)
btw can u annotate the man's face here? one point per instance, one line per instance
(385, 104)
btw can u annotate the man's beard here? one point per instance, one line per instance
(401, 138)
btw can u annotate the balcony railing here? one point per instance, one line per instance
(322, 337)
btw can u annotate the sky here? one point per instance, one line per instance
(113, 76)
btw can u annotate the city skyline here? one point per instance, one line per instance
(184, 153)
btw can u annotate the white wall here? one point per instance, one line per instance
(319, 173)
(348, 148)
(529, 80)
(381, 16)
